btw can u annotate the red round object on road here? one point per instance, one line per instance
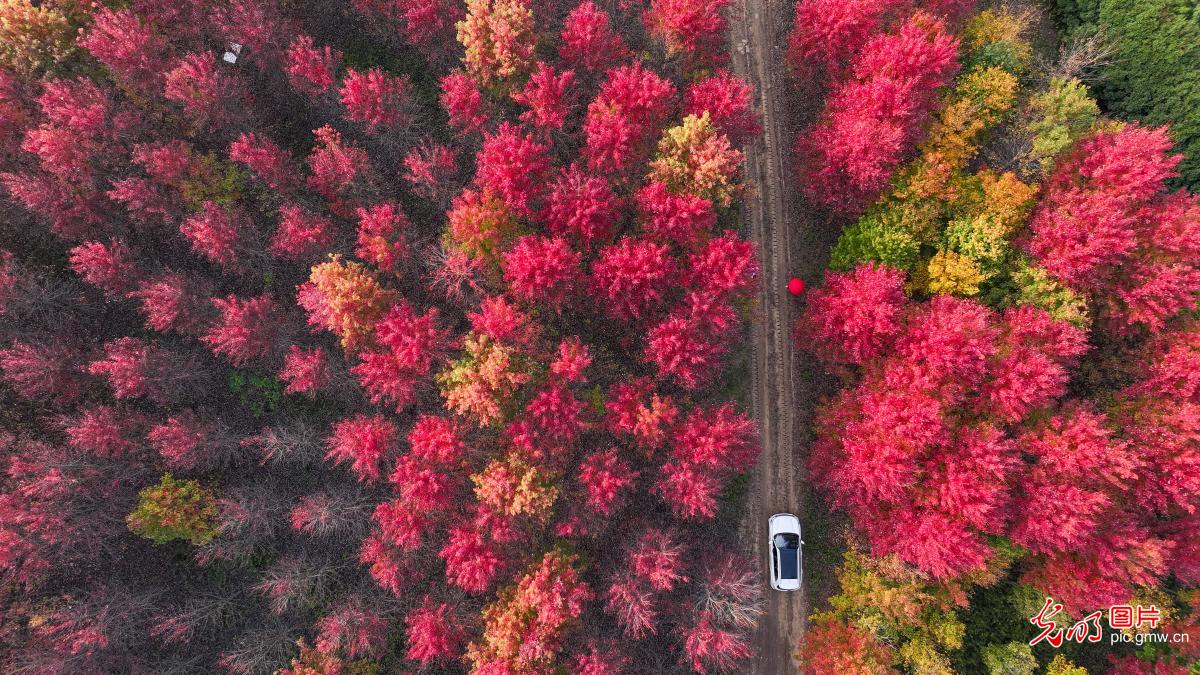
(795, 286)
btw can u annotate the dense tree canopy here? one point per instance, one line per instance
(356, 336)
(1015, 422)
(300, 346)
(1154, 67)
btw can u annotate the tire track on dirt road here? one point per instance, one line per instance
(758, 33)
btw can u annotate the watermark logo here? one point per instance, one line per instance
(1088, 629)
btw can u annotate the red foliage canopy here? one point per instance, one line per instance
(127, 45)
(462, 101)
(632, 276)
(376, 98)
(304, 370)
(433, 632)
(625, 116)
(588, 40)
(109, 268)
(728, 100)
(875, 117)
(668, 217)
(381, 239)
(301, 235)
(246, 329)
(309, 68)
(829, 33)
(548, 96)
(363, 441)
(581, 206)
(1107, 226)
(694, 28)
(604, 475)
(855, 316)
(215, 233)
(513, 166)
(542, 269)
(272, 164)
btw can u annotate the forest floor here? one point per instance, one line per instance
(793, 240)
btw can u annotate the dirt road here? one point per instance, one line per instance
(786, 384)
(758, 33)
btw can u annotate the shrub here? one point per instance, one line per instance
(175, 509)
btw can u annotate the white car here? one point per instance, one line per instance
(785, 558)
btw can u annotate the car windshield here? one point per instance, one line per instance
(787, 541)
